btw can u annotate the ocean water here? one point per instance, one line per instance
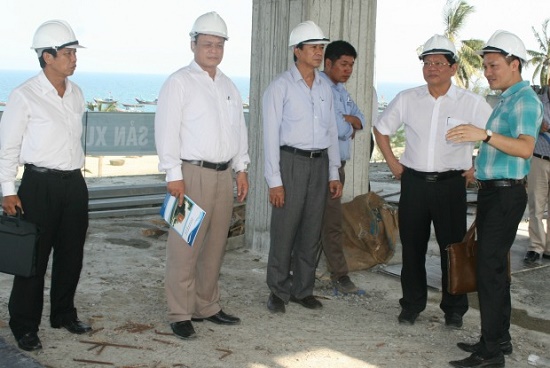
(125, 88)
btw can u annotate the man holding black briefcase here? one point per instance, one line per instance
(41, 128)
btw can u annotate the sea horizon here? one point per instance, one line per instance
(126, 87)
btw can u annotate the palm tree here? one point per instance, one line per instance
(470, 64)
(541, 59)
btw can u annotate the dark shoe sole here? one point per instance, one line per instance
(407, 318)
(276, 307)
(317, 305)
(505, 348)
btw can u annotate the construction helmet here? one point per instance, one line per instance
(505, 43)
(307, 33)
(210, 24)
(438, 44)
(54, 34)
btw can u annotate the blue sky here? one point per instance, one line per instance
(138, 36)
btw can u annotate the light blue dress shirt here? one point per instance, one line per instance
(298, 116)
(344, 105)
(542, 147)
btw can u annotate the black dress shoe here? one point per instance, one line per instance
(75, 326)
(221, 318)
(506, 347)
(453, 320)
(29, 342)
(407, 317)
(275, 304)
(183, 330)
(309, 302)
(475, 360)
(531, 257)
(546, 256)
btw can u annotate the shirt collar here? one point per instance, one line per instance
(451, 92)
(196, 67)
(296, 75)
(337, 86)
(514, 88)
(46, 86)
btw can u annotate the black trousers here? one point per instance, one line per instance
(499, 212)
(59, 206)
(420, 204)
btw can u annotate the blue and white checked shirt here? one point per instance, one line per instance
(519, 111)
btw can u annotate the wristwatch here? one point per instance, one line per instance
(489, 133)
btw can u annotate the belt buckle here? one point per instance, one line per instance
(431, 178)
(312, 154)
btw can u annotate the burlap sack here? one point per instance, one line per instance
(370, 231)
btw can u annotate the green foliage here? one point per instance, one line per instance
(398, 139)
(470, 64)
(541, 59)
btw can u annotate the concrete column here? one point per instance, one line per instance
(272, 21)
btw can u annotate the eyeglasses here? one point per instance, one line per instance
(438, 65)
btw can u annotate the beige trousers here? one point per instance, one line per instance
(192, 273)
(538, 190)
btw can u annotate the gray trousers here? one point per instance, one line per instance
(296, 227)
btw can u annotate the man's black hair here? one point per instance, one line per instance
(336, 49)
(52, 52)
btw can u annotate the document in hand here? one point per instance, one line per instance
(185, 220)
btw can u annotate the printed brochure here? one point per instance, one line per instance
(185, 220)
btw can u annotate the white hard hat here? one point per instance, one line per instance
(438, 44)
(506, 43)
(54, 34)
(211, 24)
(307, 33)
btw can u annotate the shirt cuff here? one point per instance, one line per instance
(8, 188)
(174, 174)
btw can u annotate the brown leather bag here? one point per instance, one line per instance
(461, 264)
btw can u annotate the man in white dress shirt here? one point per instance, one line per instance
(41, 128)
(200, 135)
(433, 172)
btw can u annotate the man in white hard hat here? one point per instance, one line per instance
(434, 173)
(502, 163)
(301, 164)
(200, 135)
(41, 128)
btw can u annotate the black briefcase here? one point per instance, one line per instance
(18, 241)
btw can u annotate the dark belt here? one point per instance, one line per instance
(220, 166)
(500, 183)
(45, 170)
(305, 153)
(432, 177)
(547, 158)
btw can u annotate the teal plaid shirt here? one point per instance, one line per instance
(519, 111)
